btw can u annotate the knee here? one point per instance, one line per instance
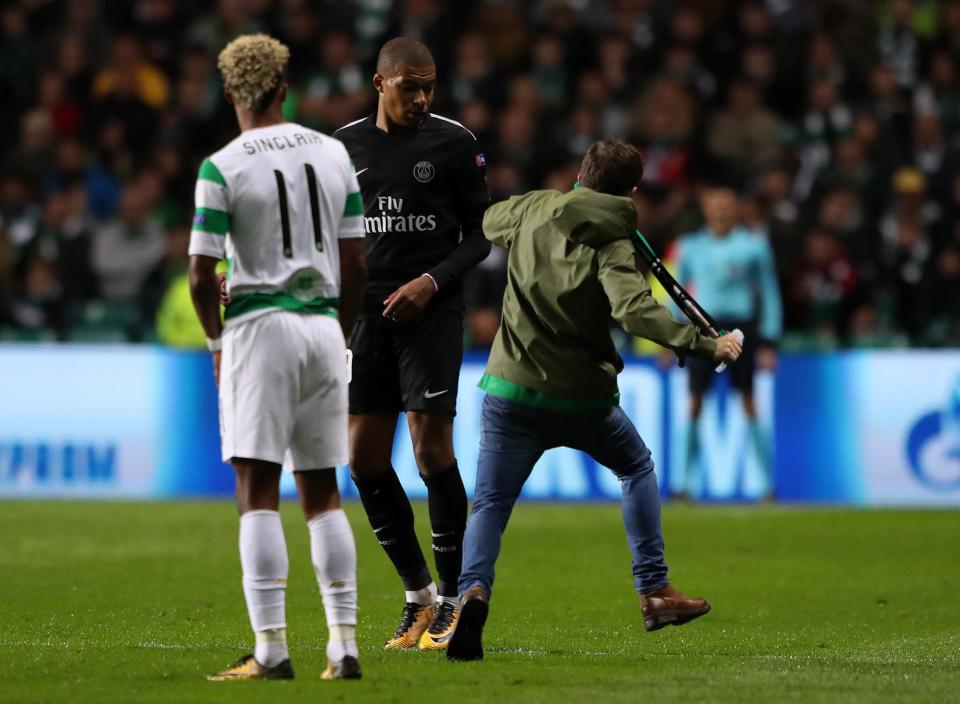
(361, 469)
(432, 457)
(492, 510)
(487, 500)
(371, 445)
(318, 492)
(639, 468)
(367, 464)
(257, 487)
(248, 500)
(432, 437)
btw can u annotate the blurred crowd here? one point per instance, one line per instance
(836, 121)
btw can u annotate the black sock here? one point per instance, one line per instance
(391, 517)
(447, 500)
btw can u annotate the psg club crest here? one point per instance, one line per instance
(423, 171)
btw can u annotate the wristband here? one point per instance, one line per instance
(215, 345)
(436, 287)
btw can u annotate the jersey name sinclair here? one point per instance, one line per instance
(279, 142)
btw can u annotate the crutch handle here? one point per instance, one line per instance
(737, 333)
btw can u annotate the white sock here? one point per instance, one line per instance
(334, 556)
(454, 600)
(271, 647)
(424, 597)
(263, 558)
(343, 641)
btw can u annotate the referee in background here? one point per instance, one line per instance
(423, 180)
(731, 271)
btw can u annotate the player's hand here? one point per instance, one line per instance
(408, 300)
(728, 349)
(222, 285)
(216, 368)
(767, 358)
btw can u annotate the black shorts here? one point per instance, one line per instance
(703, 372)
(411, 366)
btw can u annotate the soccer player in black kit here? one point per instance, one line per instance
(424, 189)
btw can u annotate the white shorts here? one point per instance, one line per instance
(283, 386)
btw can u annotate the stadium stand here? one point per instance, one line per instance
(837, 122)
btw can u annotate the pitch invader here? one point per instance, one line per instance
(281, 203)
(424, 190)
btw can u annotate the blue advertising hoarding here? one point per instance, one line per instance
(869, 428)
(108, 422)
(874, 428)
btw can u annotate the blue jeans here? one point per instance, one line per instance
(513, 437)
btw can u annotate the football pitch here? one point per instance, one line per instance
(136, 602)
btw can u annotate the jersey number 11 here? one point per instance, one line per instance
(314, 209)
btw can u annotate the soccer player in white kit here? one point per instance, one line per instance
(282, 205)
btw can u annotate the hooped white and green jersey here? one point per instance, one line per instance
(274, 202)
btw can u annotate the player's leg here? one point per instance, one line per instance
(374, 406)
(432, 437)
(612, 440)
(257, 403)
(263, 557)
(391, 517)
(320, 441)
(264, 565)
(700, 377)
(742, 378)
(429, 353)
(334, 556)
(758, 439)
(511, 442)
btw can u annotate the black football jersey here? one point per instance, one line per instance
(424, 195)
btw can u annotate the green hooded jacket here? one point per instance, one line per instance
(571, 267)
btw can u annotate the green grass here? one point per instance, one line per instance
(121, 602)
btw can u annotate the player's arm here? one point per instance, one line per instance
(353, 274)
(211, 222)
(205, 292)
(771, 322)
(633, 306)
(353, 252)
(472, 200)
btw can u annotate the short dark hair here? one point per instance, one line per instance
(611, 166)
(402, 51)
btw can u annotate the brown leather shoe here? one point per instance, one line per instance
(669, 607)
(467, 640)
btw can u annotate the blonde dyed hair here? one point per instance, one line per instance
(252, 68)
